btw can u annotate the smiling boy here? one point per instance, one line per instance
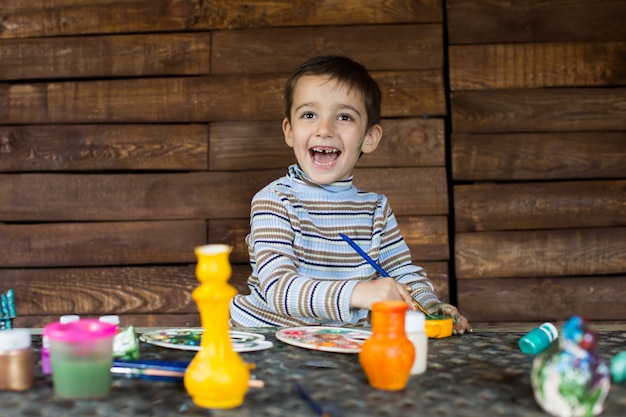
(303, 272)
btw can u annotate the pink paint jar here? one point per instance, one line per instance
(81, 354)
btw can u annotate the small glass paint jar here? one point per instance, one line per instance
(17, 365)
(538, 339)
(46, 368)
(81, 354)
(415, 329)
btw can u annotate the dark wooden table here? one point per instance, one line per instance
(482, 374)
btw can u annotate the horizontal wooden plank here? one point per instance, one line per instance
(199, 195)
(539, 110)
(245, 145)
(81, 17)
(535, 21)
(102, 197)
(543, 298)
(534, 65)
(99, 291)
(544, 253)
(196, 99)
(103, 147)
(105, 56)
(104, 243)
(407, 47)
(411, 191)
(553, 205)
(427, 237)
(538, 156)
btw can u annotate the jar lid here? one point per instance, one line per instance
(414, 321)
(83, 330)
(68, 318)
(14, 339)
(112, 319)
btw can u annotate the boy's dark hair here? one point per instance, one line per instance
(346, 72)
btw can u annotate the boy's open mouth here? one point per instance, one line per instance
(324, 155)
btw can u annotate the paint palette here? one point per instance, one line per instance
(329, 339)
(189, 339)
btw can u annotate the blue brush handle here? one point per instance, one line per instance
(153, 364)
(364, 255)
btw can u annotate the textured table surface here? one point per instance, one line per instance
(481, 374)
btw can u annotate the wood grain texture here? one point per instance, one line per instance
(407, 47)
(104, 147)
(105, 56)
(538, 156)
(99, 291)
(407, 142)
(196, 195)
(553, 205)
(540, 253)
(102, 243)
(82, 17)
(195, 99)
(494, 21)
(535, 65)
(539, 110)
(426, 237)
(540, 299)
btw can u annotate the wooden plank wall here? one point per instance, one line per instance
(538, 143)
(133, 131)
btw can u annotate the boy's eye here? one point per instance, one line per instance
(345, 117)
(307, 115)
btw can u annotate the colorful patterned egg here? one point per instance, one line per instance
(571, 379)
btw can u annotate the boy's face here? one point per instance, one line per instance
(328, 129)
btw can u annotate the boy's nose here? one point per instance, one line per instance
(325, 128)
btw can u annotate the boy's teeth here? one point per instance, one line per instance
(325, 150)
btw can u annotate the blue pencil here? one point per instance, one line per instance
(364, 255)
(377, 267)
(314, 405)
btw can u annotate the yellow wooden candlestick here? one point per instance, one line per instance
(217, 377)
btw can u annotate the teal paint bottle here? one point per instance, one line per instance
(538, 339)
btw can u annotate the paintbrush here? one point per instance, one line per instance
(378, 268)
(314, 405)
(160, 371)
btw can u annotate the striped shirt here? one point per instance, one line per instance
(303, 272)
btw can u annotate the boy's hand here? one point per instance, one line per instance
(382, 289)
(461, 324)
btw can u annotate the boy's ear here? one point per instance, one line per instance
(288, 132)
(372, 139)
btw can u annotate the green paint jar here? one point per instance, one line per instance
(81, 354)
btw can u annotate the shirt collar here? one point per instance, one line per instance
(297, 174)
